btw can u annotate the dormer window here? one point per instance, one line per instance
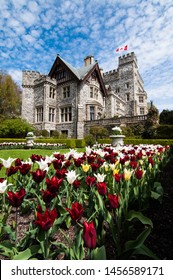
(127, 85)
(91, 92)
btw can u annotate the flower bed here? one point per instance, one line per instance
(72, 203)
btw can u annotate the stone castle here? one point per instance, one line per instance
(67, 97)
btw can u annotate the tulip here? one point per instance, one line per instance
(43, 165)
(60, 174)
(117, 177)
(76, 211)
(90, 181)
(76, 184)
(113, 200)
(24, 168)
(53, 184)
(45, 221)
(85, 167)
(47, 196)
(16, 199)
(12, 170)
(102, 188)
(38, 175)
(89, 235)
(127, 174)
(71, 176)
(3, 185)
(100, 177)
(7, 163)
(139, 174)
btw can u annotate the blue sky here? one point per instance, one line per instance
(33, 32)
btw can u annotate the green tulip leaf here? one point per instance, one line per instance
(99, 253)
(138, 215)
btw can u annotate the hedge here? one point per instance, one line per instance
(80, 143)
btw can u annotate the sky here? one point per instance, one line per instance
(32, 33)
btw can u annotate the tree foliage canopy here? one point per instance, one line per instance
(166, 117)
(9, 96)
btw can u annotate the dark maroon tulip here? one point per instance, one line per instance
(11, 170)
(133, 164)
(18, 162)
(95, 166)
(45, 221)
(2, 180)
(102, 188)
(38, 175)
(76, 211)
(117, 177)
(90, 181)
(78, 162)
(113, 200)
(16, 199)
(53, 184)
(89, 235)
(61, 173)
(24, 168)
(57, 163)
(76, 184)
(139, 174)
(150, 160)
(35, 157)
(47, 196)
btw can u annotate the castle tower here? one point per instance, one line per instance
(28, 78)
(127, 84)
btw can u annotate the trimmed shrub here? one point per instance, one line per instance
(89, 140)
(80, 143)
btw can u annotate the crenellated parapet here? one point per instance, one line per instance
(128, 58)
(28, 78)
(111, 75)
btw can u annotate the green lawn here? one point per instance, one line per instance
(25, 154)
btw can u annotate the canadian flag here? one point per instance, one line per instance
(125, 48)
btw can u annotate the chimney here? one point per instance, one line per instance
(88, 60)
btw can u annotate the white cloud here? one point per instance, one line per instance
(33, 33)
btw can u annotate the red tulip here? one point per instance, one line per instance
(90, 181)
(95, 166)
(133, 164)
(12, 170)
(57, 163)
(139, 174)
(89, 235)
(61, 173)
(53, 184)
(47, 196)
(150, 160)
(102, 188)
(24, 168)
(45, 221)
(18, 162)
(76, 184)
(117, 177)
(16, 199)
(38, 175)
(76, 211)
(78, 162)
(113, 200)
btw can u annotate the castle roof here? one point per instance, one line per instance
(81, 73)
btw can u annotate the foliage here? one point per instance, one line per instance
(151, 123)
(166, 117)
(84, 192)
(98, 132)
(164, 131)
(9, 96)
(45, 133)
(15, 128)
(89, 139)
